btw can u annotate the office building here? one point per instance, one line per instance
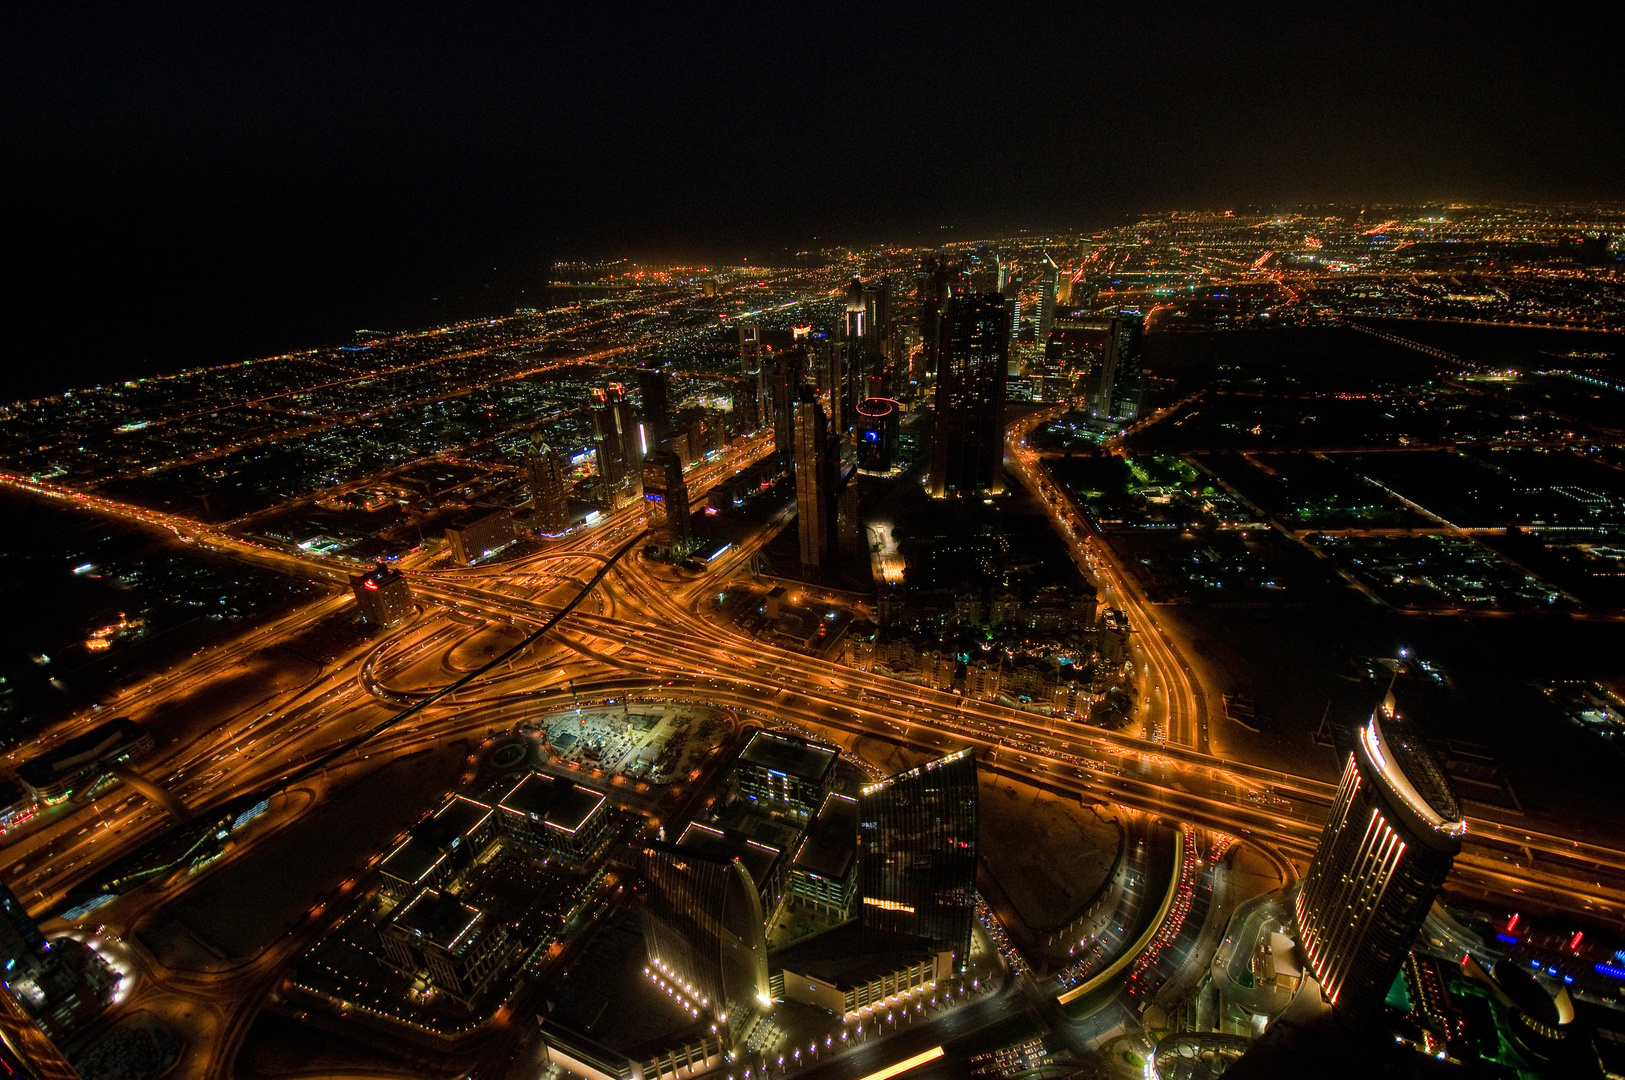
(824, 870)
(917, 843)
(481, 538)
(1117, 384)
(654, 391)
(437, 847)
(1388, 844)
(383, 596)
(784, 390)
(973, 348)
(454, 946)
(549, 485)
(1048, 286)
(878, 423)
(705, 933)
(816, 475)
(671, 528)
(746, 400)
(781, 772)
(750, 348)
(766, 864)
(616, 447)
(553, 814)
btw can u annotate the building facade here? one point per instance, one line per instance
(671, 527)
(1388, 845)
(917, 841)
(549, 485)
(973, 349)
(383, 595)
(703, 927)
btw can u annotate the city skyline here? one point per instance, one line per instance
(770, 544)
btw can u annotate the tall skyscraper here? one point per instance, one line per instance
(1118, 383)
(1388, 845)
(917, 844)
(1048, 286)
(670, 525)
(784, 381)
(750, 347)
(703, 927)
(655, 392)
(549, 492)
(973, 348)
(815, 463)
(615, 446)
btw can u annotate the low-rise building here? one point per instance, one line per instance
(454, 945)
(553, 814)
(778, 771)
(437, 847)
(823, 873)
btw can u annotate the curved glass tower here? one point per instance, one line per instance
(1387, 847)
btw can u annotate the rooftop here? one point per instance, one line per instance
(757, 859)
(831, 842)
(789, 755)
(557, 802)
(441, 919)
(847, 956)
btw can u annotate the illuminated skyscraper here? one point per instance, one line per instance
(1388, 845)
(917, 846)
(549, 493)
(664, 489)
(816, 462)
(878, 424)
(615, 446)
(1119, 381)
(703, 927)
(1048, 286)
(653, 389)
(973, 348)
(383, 595)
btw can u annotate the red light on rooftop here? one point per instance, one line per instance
(370, 584)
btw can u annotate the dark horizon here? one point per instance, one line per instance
(208, 185)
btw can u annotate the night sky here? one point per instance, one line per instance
(223, 181)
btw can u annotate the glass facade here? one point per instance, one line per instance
(703, 925)
(1388, 845)
(917, 850)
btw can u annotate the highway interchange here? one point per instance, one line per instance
(649, 632)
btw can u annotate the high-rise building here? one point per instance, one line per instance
(483, 536)
(816, 464)
(1117, 384)
(973, 348)
(1128, 365)
(704, 930)
(666, 493)
(655, 392)
(383, 595)
(878, 425)
(615, 446)
(1389, 842)
(549, 491)
(1048, 286)
(750, 347)
(62, 985)
(784, 390)
(917, 842)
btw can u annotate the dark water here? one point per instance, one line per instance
(65, 575)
